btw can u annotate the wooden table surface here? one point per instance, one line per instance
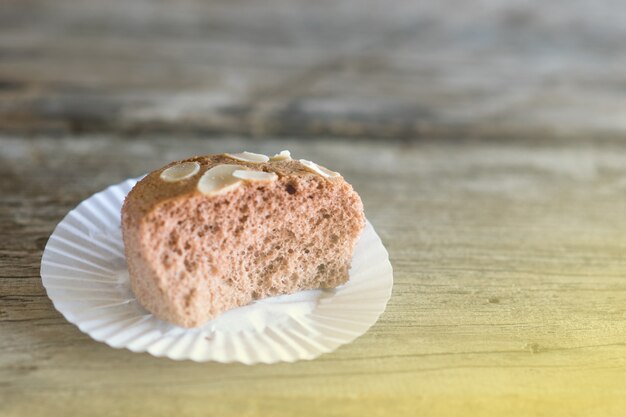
(486, 140)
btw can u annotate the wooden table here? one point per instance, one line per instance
(486, 145)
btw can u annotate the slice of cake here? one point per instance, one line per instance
(215, 232)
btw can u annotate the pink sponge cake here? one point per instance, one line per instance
(215, 232)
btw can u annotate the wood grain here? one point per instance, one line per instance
(509, 295)
(485, 138)
(284, 67)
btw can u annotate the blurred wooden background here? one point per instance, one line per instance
(399, 69)
(486, 138)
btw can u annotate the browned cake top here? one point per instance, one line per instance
(155, 190)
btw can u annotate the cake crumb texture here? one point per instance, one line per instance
(192, 257)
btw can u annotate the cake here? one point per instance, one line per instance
(215, 232)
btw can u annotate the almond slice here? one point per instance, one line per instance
(282, 156)
(180, 171)
(248, 175)
(318, 169)
(256, 158)
(219, 179)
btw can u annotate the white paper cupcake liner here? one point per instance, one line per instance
(84, 272)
